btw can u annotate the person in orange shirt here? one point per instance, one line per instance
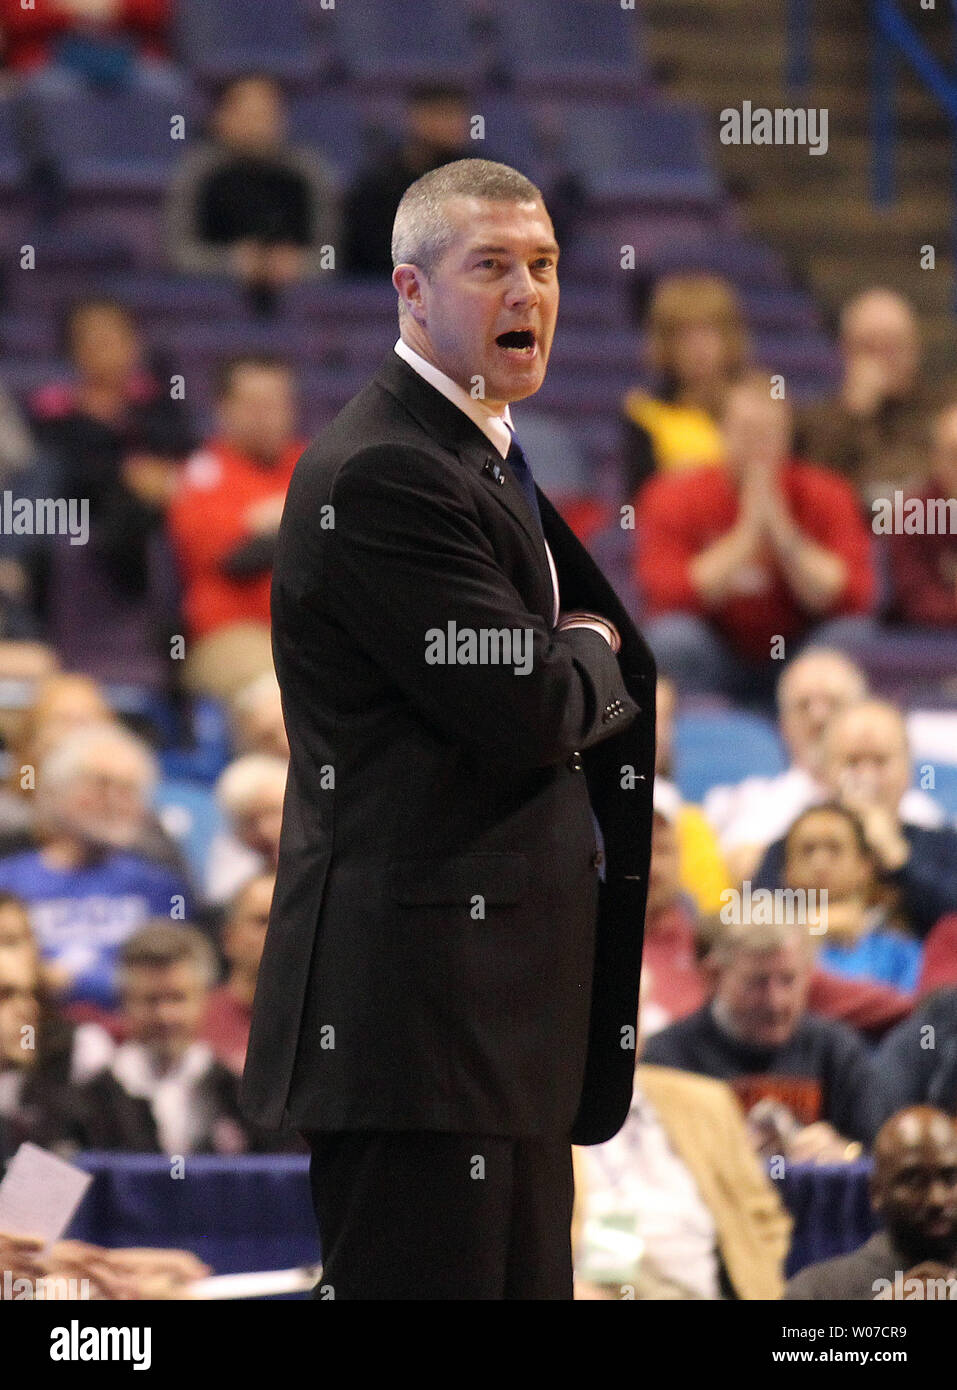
(224, 520)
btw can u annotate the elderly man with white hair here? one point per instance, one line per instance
(866, 766)
(250, 795)
(87, 887)
(748, 816)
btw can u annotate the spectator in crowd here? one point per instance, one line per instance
(917, 1061)
(61, 46)
(112, 605)
(163, 1090)
(436, 132)
(680, 1184)
(808, 1078)
(703, 873)
(923, 561)
(697, 347)
(828, 859)
(875, 431)
(676, 985)
(866, 766)
(256, 718)
(42, 1055)
(914, 1193)
(62, 704)
(748, 816)
(229, 1006)
(87, 888)
(940, 957)
(249, 204)
(90, 423)
(743, 563)
(224, 520)
(250, 795)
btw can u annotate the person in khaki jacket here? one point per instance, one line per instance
(677, 1206)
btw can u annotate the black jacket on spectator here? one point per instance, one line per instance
(824, 1067)
(917, 1061)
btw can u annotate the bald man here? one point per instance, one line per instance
(875, 430)
(866, 766)
(914, 1194)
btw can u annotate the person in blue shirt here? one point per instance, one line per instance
(87, 889)
(826, 852)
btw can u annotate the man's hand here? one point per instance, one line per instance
(580, 617)
(262, 518)
(821, 1143)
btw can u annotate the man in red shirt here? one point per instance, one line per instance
(229, 1006)
(741, 565)
(224, 520)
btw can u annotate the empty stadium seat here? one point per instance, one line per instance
(229, 37)
(711, 749)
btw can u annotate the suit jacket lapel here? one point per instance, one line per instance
(452, 428)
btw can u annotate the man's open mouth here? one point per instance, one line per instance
(520, 341)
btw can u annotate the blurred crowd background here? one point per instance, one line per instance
(196, 203)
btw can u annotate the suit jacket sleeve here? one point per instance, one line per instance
(407, 556)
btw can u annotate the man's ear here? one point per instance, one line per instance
(408, 281)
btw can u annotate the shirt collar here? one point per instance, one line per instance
(496, 428)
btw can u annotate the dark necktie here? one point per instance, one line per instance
(518, 463)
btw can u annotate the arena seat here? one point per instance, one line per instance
(221, 40)
(711, 749)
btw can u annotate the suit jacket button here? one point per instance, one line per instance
(597, 859)
(575, 763)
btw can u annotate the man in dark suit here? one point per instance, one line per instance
(449, 985)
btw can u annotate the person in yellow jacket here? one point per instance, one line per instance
(677, 1206)
(697, 345)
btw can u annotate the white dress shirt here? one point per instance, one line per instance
(642, 1199)
(496, 428)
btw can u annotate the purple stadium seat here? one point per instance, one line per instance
(120, 141)
(576, 45)
(222, 39)
(392, 42)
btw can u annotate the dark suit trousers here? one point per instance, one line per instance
(442, 1216)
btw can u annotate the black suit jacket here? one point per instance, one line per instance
(441, 953)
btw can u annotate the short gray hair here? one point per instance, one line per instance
(422, 233)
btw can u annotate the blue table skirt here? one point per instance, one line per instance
(254, 1213)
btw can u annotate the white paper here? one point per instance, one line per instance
(274, 1281)
(40, 1193)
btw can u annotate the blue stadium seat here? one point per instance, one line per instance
(711, 749)
(222, 39)
(188, 812)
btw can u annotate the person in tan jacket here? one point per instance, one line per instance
(677, 1206)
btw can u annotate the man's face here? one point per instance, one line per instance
(442, 126)
(666, 699)
(258, 413)
(250, 116)
(105, 804)
(823, 853)
(500, 276)
(664, 878)
(245, 933)
(764, 993)
(104, 344)
(19, 1006)
(882, 330)
(812, 692)
(867, 757)
(700, 353)
(756, 429)
(164, 1006)
(915, 1189)
(259, 822)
